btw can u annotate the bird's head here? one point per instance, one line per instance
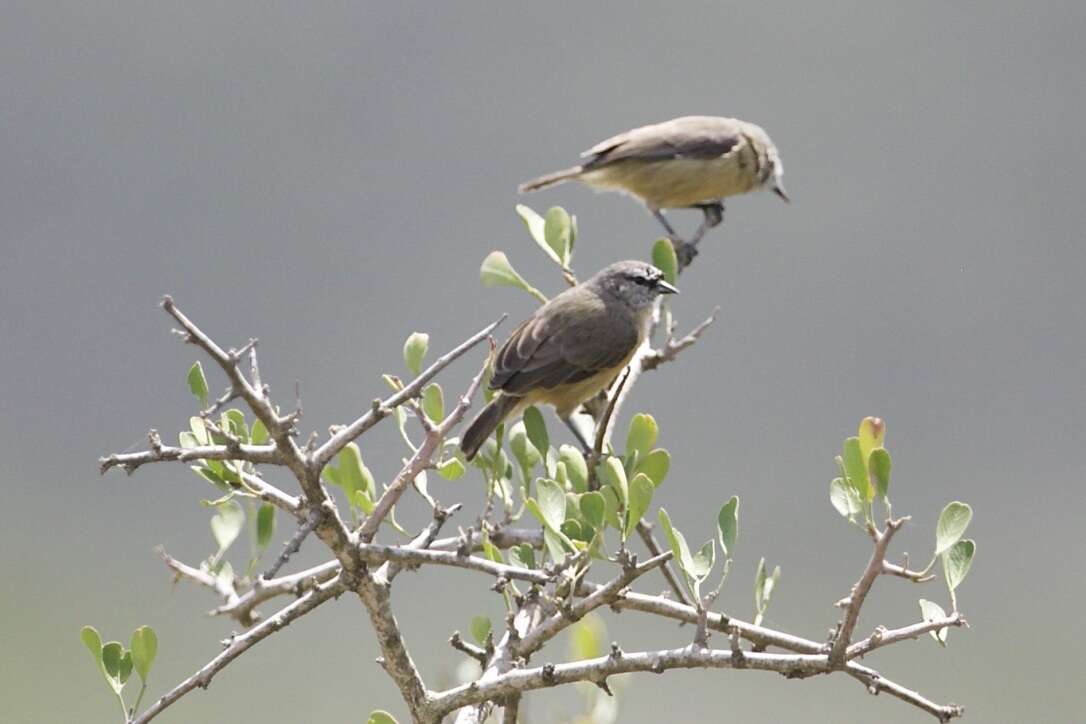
(775, 180)
(634, 283)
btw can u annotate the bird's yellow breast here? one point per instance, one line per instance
(679, 182)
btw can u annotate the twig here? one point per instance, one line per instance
(130, 462)
(673, 348)
(241, 643)
(293, 544)
(882, 637)
(222, 587)
(382, 409)
(644, 529)
(418, 462)
(602, 596)
(376, 554)
(859, 592)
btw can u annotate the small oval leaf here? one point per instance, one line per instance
(951, 526)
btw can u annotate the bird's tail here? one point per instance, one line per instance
(550, 179)
(485, 422)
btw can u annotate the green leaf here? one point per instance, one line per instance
(611, 506)
(380, 716)
(664, 259)
(872, 434)
(536, 429)
(259, 434)
(480, 627)
(451, 469)
(265, 525)
(576, 467)
(199, 430)
(703, 560)
(536, 227)
(951, 526)
(352, 474)
(931, 611)
(856, 468)
(571, 528)
(113, 656)
(362, 501)
(523, 450)
(878, 466)
(496, 271)
(642, 434)
(198, 383)
(615, 476)
(555, 543)
(227, 523)
(552, 502)
(144, 647)
(957, 561)
(727, 525)
(558, 233)
(414, 351)
(679, 549)
(759, 587)
(641, 490)
(233, 421)
(433, 402)
(90, 638)
(593, 508)
(655, 465)
(839, 497)
(524, 555)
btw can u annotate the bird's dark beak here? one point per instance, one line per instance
(779, 190)
(666, 288)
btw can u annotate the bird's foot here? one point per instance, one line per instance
(684, 251)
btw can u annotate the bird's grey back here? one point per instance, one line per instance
(685, 137)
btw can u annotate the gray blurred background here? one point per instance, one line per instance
(327, 177)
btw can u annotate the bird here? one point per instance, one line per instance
(687, 162)
(571, 348)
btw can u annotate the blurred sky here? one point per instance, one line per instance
(328, 176)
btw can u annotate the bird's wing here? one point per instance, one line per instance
(557, 348)
(687, 137)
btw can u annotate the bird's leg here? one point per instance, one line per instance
(713, 215)
(672, 234)
(577, 433)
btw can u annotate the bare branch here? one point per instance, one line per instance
(419, 461)
(221, 586)
(293, 544)
(376, 554)
(501, 661)
(382, 409)
(471, 650)
(517, 681)
(130, 462)
(883, 637)
(672, 348)
(601, 596)
(859, 591)
(243, 609)
(875, 683)
(395, 659)
(239, 644)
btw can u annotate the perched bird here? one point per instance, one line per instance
(688, 162)
(572, 347)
